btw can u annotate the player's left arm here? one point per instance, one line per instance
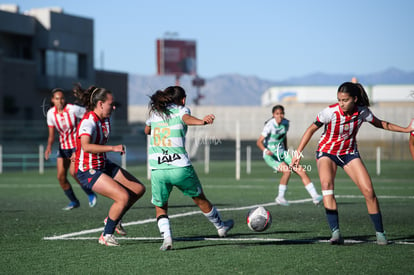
(191, 120)
(391, 126)
(411, 145)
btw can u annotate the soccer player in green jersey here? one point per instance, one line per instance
(273, 143)
(169, 161)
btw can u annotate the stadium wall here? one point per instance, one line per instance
(251, 120)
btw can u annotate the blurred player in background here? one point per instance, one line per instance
(63, 118)
(273, 143)
(94, 170)
(170, 163)
(338, 147)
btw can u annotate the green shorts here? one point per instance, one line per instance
(163, 181)
(275, 160)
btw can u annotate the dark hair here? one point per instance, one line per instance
(355, 90)
(160, 100)
(90, 97)
(278, 107)
(53, 92)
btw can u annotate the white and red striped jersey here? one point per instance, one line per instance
(339, 137)
(65, 123)
(98, 130)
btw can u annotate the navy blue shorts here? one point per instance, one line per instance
(340, 160)
(65, 153)
(89, 177)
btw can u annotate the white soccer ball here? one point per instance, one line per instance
(259, 219)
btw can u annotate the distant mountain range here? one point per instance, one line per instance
(234, 89)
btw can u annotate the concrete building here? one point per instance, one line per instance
(45, 48)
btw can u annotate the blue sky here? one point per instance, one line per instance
(271, 39)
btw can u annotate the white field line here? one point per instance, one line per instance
(74, 235)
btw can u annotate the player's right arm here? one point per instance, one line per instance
(304, 141)
(411, 145)
(50, 140)
(261, 146)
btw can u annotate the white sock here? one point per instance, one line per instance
(282, 190)
(214, 217)
(164, 227)
(311, 190)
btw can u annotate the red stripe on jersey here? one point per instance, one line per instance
(98, 130)
(339, 137)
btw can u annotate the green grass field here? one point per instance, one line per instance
(37, 237)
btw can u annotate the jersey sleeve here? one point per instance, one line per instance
(86, 127)
(50, 119)
(267, 129)
(366, 114)
(184, 111)
(324, 116)
(79, 111)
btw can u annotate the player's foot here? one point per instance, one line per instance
(227, 226)
(167, 244)
(281, 201)
(317, 200)
(119, 228)
(381, 238)
(92, 200)
(71, 205)
(336, 238)
(108, 240)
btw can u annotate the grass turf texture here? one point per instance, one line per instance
(296, 243)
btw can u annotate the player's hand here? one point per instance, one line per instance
(73, 157)
(412, 125)
(295, 162)
(119, 148)
(209, 119)
(47, 154)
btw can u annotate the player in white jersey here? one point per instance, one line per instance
(63, 118)
(273, 143)
(94, 170)
(169, 161)
(338, 147)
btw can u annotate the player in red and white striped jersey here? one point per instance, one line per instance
(63, 118)
(94, 170)
(338, 147)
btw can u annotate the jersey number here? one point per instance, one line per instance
(161, 137)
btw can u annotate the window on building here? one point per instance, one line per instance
(65, 64)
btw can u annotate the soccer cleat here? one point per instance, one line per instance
(108, 240)
(92, 200)
(167, 244)
(227, 226)
(381, 238)
(317, 200)
(336, 238)
(119, 228)
(71, 205)
(281, 201)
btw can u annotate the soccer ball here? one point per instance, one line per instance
(259, 219)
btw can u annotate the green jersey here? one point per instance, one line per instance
(167, 145)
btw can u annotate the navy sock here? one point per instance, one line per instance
(69, 193)
(377, 220)
(110, 226)
(87, 190)
(333, 220)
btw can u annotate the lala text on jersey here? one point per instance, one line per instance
(167, 158)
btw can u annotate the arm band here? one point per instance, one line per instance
(318, 123)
